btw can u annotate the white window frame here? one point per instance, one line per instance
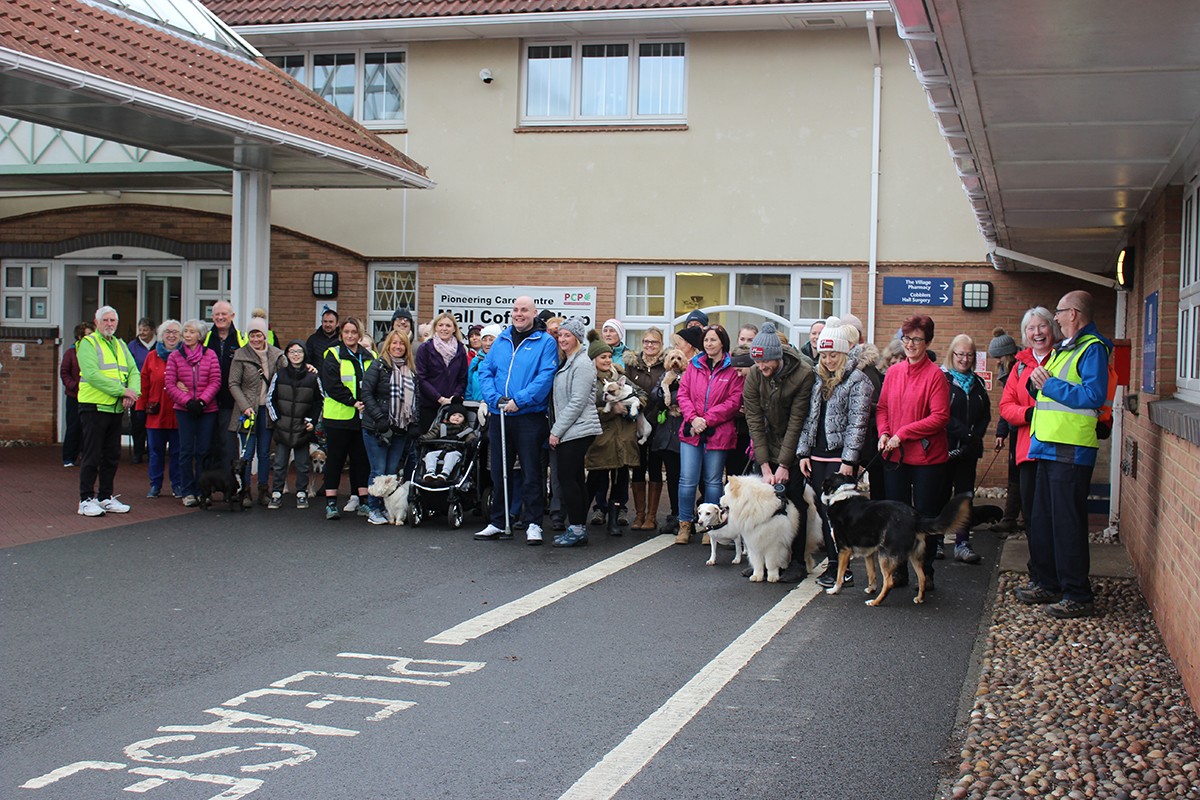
(25, 292)
(375, 314)
(576, 117)
(203, 299)
(1187, 359)
(799, 325)
(360, 65)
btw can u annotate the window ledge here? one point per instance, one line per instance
(25, 332)
(1178, 417)
(598, 128)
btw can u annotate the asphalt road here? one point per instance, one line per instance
(276, 655)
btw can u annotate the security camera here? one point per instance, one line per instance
(485, 75)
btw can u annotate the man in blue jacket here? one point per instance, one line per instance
(1070, 389)
(518, 376)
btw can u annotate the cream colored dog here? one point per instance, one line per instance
(767, 525)
(713, 520)
(394, 494)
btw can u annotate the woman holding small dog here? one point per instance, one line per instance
(616, 448)
(970, 415)
(836, 429)
(389, 413)
(574, 426)
(193, 379)
(710, 395)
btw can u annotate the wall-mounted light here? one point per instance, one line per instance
(485, 75)
(324, 284)
(977, 295)
(1125, 265)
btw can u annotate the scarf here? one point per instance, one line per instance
(401, 396)
(447, 349)
(264, 368)
(164, 351)
(193, 356)
(965, 380)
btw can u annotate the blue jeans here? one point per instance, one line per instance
(195, 438)
(526, 435)
(163, 444)
(384, 460)
(258, 447)
(694, 462)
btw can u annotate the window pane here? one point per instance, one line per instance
(383, 86)
(548, 93)
(605, 91)
(394, 288)
(701, 290)
(660, 78)
(39, 307)
(333, 79)
(293, 65)
(820, 298)
(210, 280)
(14, 277)
(12, 307)
(39, 277)
(645, 296)
(768, 292)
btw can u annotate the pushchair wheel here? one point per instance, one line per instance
(485, 502)
(415, 513)
(454, 513)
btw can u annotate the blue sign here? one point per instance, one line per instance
(918, 291)
(1150, 344)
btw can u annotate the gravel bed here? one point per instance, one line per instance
(1079, 708)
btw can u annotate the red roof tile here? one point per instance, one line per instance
(270, 12)
(115, 47)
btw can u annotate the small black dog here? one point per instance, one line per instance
(226, 481)
(985, 515)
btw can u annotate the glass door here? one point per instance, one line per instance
(162, 298)
(122, 294)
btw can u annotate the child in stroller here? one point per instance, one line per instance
(453, 434)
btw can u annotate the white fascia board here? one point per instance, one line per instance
(124, 94)
(566, 17)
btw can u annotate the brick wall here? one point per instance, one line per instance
(30, 389)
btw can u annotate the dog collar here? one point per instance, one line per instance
(724, 519)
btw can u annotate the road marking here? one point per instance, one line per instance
(628, 758)
(523, 606)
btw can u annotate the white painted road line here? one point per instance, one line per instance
(523, 606)
(629, 757)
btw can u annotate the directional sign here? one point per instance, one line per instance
(918, 291)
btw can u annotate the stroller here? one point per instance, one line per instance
(461, 488)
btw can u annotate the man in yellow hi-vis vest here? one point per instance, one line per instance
(109, 383)
(1070, 389)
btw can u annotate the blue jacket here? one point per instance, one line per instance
(1091, 392)
(473, 392)
(525, 373)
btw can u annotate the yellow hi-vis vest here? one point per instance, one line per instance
(1056, 423)
(113, 360)
(331, 408)
(241, 337)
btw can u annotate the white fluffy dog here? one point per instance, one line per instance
(619, 398)
(766, 526)
(713, 520)
(395, 496)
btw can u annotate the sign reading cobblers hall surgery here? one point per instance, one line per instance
(486, 305)
(918, 291)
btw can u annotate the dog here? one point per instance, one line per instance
(620, 399)
(395, 496)
(884, 528)
(316, 455)
(714, 520)
(226, 481)
(985, 515)
(766, 521)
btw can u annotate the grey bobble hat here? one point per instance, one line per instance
(697, 316)
(576, 327)
(1002, 344)
(766, 345)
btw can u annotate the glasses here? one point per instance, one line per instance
(911, 340)
(651, 341)
(1058, 311)
(964, 355)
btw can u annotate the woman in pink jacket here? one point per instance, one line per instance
(1039, 334)
(710, 394)
(192, 381)
(914, 407)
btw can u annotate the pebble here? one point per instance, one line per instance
(1088, 708)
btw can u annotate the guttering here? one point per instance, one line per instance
(561, 17)
(45, 71)
(873, 246)
(1053, 266)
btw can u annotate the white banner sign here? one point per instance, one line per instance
(487, 305)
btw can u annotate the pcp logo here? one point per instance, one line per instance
(577, 297)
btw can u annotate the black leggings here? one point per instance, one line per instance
(650, 466)
(598, 486)
(340, 442)
(570, 455)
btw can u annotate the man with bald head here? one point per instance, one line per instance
(517, 377)
(1070, 390)
(224, 339)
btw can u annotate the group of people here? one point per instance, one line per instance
(606, 423)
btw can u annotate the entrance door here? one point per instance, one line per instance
(122, 294)
(162, 297)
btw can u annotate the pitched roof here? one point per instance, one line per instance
(178, 78)
(275, 12)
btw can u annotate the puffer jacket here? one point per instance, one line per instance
(154, 392)
(715, 395)
(573, 412)
(199, 370)
(247, 382)
(376, 396)
(776, 408)
(847, 415)
(1016, 403)
(970, 415)
(293, 401)
(616, 446)
(524, 373)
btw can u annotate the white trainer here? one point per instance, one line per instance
(114, 505)
(90, 508)
(533, 534)
(351, 504)
(490, 532)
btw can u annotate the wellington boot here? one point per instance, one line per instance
(614, 525)
(639, 506)
(685, 532)
(653, 496)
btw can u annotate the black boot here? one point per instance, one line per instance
(614, 519)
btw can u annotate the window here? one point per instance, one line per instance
(819, 298)
(366, 85)
(392, 286)
(1188, 362)
(573, 82)
(26, 293)
(645, 295)
(213, 285)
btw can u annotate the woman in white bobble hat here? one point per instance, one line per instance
(613, 333)
(836, 429)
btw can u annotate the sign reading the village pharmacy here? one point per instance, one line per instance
(485, 305)
(918, 291)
